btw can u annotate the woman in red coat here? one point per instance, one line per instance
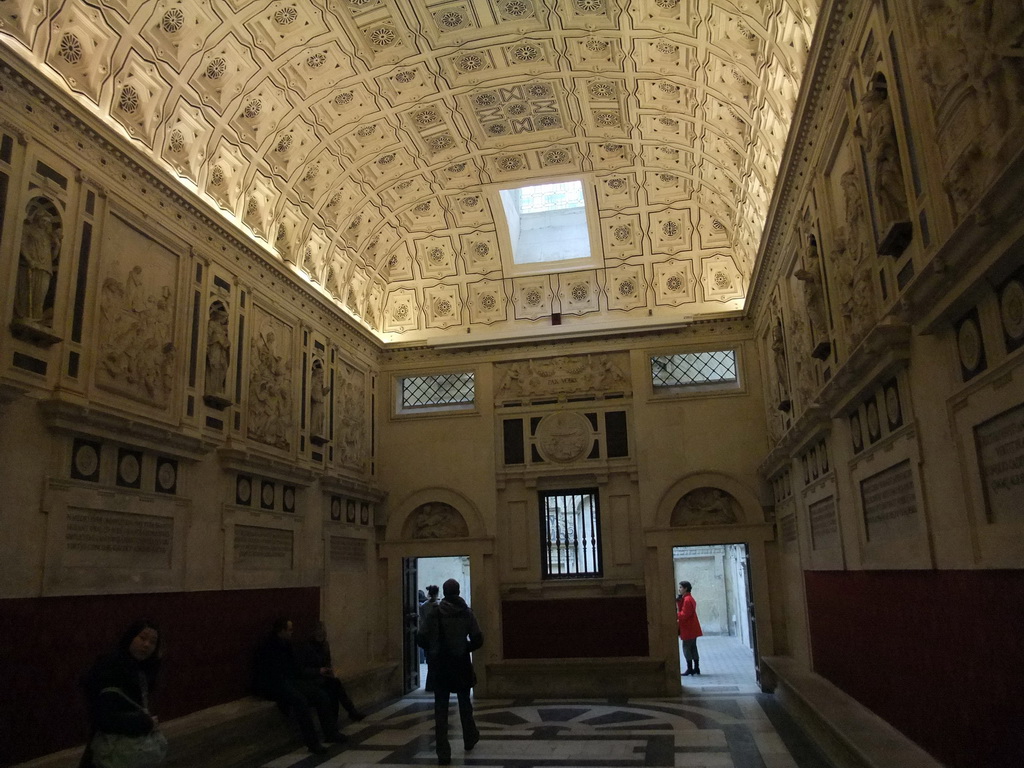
(689, 628)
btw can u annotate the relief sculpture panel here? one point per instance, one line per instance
(270, 382)
(350, 441)
(136, 350)
(562, 375)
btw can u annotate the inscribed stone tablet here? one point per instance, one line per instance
(890, 505)
(824, 529)
(348, 553)
(98, 538)
(262, 549)
(1000, 446)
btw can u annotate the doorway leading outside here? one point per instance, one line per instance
(720, 577)
(437, 570)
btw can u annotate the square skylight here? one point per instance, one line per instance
(547, 223)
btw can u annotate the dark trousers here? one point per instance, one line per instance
(691, 655)
(297, 696)
(338, 695)
(442, 697)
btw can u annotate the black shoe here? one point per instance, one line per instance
(689, 672)
(355, 716)
(696, 670)
(444, 761)
(470, 743)
(317, 749)
(336, 738)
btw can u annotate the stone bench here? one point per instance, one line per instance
(240, 732)
(851, 735)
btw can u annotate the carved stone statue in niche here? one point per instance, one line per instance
(862, 310)
(436, 520)
(887, 184)
(269, 415)
(136, 351)
(814, 301)
(318, 391)
(218, 357)
(778, 334)
(705, 506)
(41, 240)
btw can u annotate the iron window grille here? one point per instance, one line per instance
(438, 390)
(689, 369)
(571, 534)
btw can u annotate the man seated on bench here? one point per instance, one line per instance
(279, 677)
(315, 664)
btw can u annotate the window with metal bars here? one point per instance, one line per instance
(570, 534)
(437, 392)
(695, 369)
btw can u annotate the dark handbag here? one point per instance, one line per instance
(116, 750)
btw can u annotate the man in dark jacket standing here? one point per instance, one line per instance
(449, 633)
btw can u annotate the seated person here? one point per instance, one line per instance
(278, 677)
(314, 657)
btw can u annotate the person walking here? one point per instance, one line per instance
(689, 628)
(427, 605)
(449, 633)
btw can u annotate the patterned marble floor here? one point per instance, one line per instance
(720, 721)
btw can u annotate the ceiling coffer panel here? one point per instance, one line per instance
(364, 142)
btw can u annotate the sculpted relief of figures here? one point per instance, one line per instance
(706, 506)
(436, 520)
(350, 426)
(270, 384)
(851, 263)
(41, 240)
(972, 59)
(136, 348)
(562, 375)
(780, 363)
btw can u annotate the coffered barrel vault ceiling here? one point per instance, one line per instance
(362, 141)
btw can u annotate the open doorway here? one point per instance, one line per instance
(720, 575)
(419, 573)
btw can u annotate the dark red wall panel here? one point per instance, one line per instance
(939, 654)
(566, 629)
(46, 644)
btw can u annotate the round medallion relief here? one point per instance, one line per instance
(872, 411)
(968, 342)
(129, 468)
(86, 460)
(267, 495)
(289, 498)
(892, 405)
(243, 489)
(1011, 309)
(166, 476)
(564, 437)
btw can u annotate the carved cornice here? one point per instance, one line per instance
(352, 488)
(830, 35)
(248, 460)
(92, 420)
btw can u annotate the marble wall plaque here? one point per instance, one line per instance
(97, 538)
(263, 549)
(889, 502)
(1000, 446)
(348, 553)
(824, 528)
